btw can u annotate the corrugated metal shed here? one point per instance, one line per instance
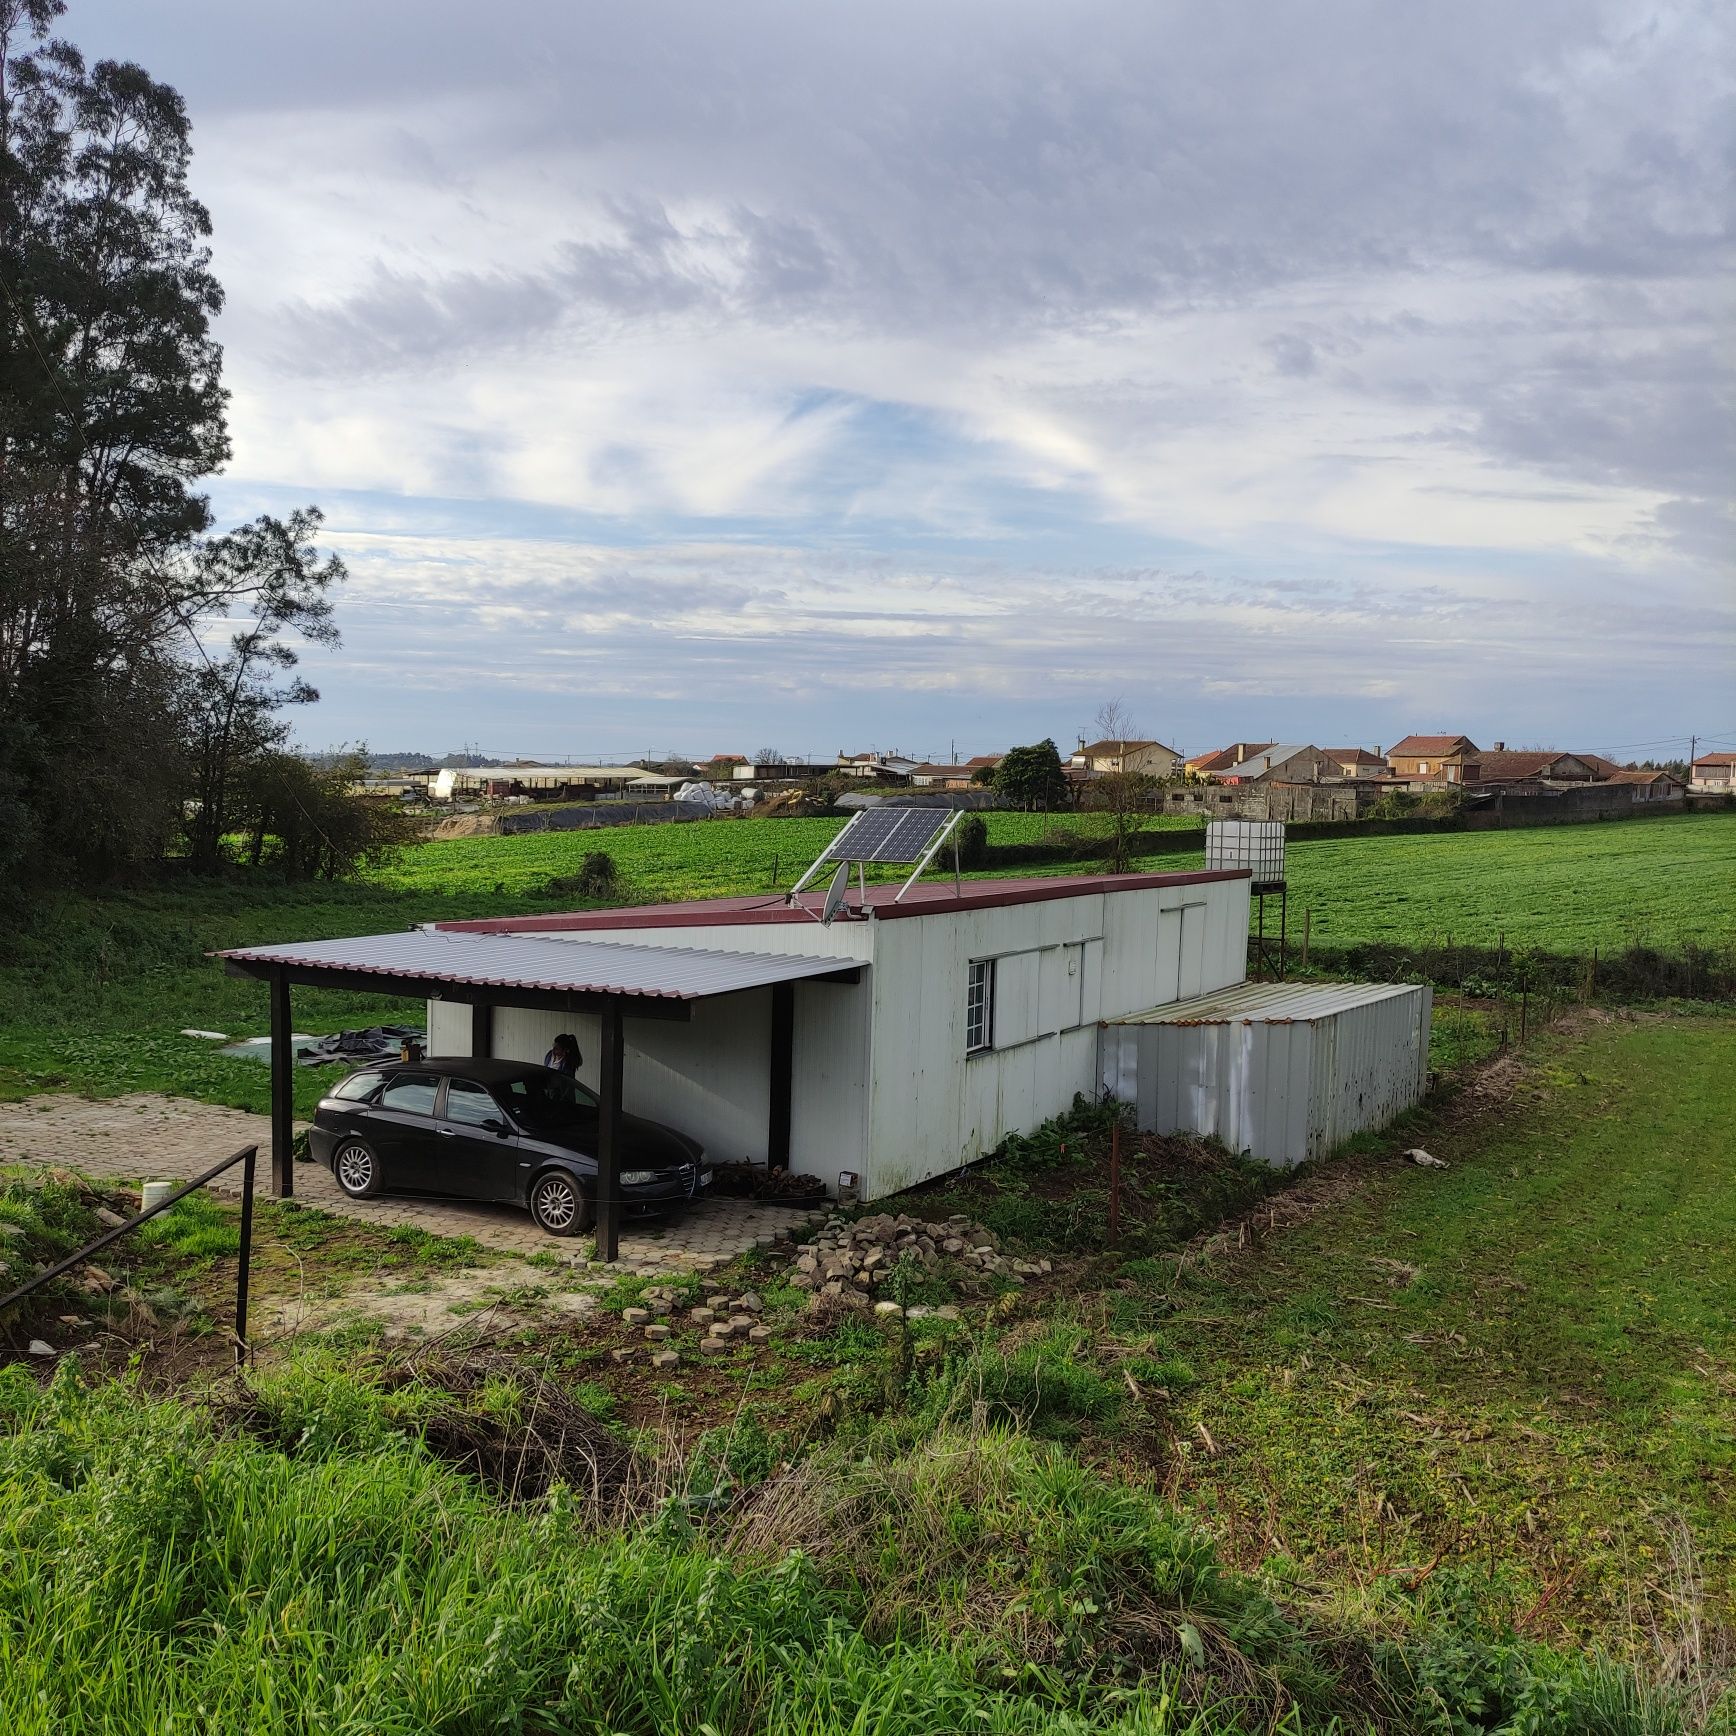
(1270, 1001)
(509, 961)
(1284, 1071)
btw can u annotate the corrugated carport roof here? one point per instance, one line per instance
(420, 958)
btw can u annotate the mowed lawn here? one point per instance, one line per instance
(1523, 1366)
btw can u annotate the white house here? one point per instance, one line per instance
(908, 1035)
(974, 1014)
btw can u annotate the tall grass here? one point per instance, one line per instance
(165, 1576)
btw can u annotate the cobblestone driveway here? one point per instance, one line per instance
(130, 1139)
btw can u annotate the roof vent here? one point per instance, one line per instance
(1500, 747)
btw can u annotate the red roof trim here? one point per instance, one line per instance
(934, 899)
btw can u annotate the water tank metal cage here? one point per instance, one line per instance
(1257, 846)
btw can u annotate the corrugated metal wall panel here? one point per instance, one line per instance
(1285, 1088)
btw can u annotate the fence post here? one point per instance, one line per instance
(1115, 1178)
(243, 1269)
(1307, 923)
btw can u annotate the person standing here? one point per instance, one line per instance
(564, 1057)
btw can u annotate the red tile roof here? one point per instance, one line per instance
(1427, 746)
(1532, 763)
(1637, 777)
(1716, 759)
(1359, 756)
(1221, 759)
(930, 898)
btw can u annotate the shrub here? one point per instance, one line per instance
(598, 878)
(972, 839)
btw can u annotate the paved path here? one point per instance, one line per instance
(129, 1139)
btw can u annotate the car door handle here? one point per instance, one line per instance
(445, 1132)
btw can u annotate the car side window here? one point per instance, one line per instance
(412, 1096)
(358, 1085)
(470, 1104)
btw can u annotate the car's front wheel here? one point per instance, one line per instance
(558, 1204)
(356, 1170)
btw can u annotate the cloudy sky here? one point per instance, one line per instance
(722, 374)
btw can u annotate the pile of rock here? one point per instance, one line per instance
(848, 1259)
(725, 1321)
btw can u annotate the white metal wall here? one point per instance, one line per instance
(1061, 965)
(712, 1077)
(882, 1084)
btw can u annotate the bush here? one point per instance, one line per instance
(598, 878)
(973, 842)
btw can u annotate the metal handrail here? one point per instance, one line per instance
(247, 1156)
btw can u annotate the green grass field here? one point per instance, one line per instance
(1521, 1366)
(1451, 1457)
(1565, 888)
(93, 994)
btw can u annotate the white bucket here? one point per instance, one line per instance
(153, 1193)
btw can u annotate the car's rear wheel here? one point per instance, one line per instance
(558, 1204)
(356, 1170)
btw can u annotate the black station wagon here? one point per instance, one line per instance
(496, 1130)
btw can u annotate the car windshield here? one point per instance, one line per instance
(546, 1100)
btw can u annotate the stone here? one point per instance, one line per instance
(621, 1353)
(107, 1216)
(948, 1312)
(759, 1334)
(749, 1302)
(890, 1310)
(702, 1316)
(807, 1263)
(713, 1346)
(741, 1322)
(666, 1359)
(953, 1245)
(10, 1229)
(636, 1316)
(656, 1333)
(40, 1347)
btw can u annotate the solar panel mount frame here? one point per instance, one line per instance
(889, 833)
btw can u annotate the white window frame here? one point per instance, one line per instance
(979, 1007)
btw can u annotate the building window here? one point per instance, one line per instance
(979, 1007)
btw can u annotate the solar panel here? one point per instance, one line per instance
(888, 835)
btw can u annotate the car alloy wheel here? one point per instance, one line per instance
(558, 1205)
(357, 1173)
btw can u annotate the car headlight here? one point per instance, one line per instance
(637, 1177)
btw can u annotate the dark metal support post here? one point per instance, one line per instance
(609, 1085)
(783, 1072)
(282, 1091)
(481, 1029)
(1115, 1177)
(243, 1268)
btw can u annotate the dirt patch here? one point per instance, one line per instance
(497, 1297)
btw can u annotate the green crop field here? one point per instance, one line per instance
(697, 859)
(1658, 883)
(1565, 888)
(94, 993)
